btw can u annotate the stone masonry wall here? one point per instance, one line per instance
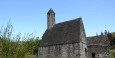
(60, 51)
(100, 51)
(83, 50)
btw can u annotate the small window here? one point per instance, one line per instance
(85, 52)
(93, 54)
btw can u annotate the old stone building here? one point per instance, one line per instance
(98, 46)
(68, 40)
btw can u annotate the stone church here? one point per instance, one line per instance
(68, 40)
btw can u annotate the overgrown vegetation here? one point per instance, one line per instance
(111, 37)
(17, 46)
(112, 53)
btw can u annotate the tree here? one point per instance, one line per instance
(111, 37)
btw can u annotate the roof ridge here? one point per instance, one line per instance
(70, 21)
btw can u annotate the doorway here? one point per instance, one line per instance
(93, 55)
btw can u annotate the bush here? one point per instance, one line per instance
(17, 46)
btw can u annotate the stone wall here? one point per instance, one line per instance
(83, 50)
(99, 51)
(60, 51)
(83, 43)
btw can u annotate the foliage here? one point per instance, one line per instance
(111, 37)
(17, 46)
(112, 55)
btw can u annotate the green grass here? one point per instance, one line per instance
(30, 56)
(112, 55)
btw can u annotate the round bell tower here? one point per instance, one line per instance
(50, 18)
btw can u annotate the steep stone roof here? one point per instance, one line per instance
(51, 11)
(62, 33)
(98, 40)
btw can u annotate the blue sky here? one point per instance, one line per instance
(30, 16)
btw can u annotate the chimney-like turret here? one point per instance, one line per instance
(50, 18)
